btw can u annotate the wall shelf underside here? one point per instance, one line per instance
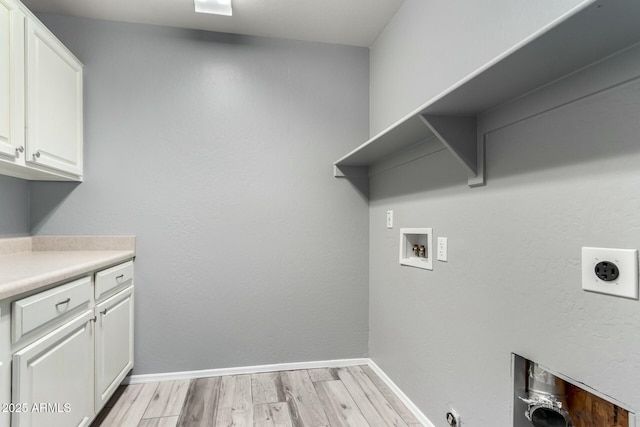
(584, 36)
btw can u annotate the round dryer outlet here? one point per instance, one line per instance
(607, 271)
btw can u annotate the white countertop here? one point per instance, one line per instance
(27, 270)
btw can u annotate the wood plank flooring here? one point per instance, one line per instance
(330, 397)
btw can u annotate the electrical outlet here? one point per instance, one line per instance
(442, 248)
(389, 219)
(610, 271)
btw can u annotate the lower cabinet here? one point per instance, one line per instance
(114, 343)
(71, 347)
(53, 378)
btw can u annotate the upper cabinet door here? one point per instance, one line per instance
(11, 81)
(54, 103)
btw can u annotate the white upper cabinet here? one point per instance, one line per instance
(6, 146)
(11, 81)
(40, 100)
(54, 103)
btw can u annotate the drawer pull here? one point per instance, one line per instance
(119, 277)
(64, 302)
(103, 312)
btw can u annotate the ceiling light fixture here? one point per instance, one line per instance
(216, 7)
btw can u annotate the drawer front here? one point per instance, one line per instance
(37, 310)
(114, 278)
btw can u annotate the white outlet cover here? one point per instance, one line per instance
(626, 285)
(442, 248)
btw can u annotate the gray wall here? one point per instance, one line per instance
(14, 207)
(565, 179)
(216, 151)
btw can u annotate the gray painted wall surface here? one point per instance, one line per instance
(14, 207)
(555, 183)
(430, 45)
(513, 280)
(216, 151)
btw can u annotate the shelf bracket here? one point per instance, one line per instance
(350, 171)
(459, 135)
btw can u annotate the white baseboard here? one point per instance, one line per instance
(184, 375)
(403, 397)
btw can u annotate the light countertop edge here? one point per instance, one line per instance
(34, 262)
(28, 271)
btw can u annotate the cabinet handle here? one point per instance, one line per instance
(36, 155)
(93, 319)
(19, 150)
(103, 312)
(119, 277)
(63, 302)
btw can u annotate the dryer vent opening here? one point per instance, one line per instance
(546, 399)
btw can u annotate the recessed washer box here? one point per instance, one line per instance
(610, 271)
(416, 236)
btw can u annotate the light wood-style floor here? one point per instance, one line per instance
(352, 396)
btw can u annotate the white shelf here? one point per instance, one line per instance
(586, 34)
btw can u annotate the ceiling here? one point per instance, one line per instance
(350, 22)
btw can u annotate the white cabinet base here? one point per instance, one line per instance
(114, 343)
(53, 378)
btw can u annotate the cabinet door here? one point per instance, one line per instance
(11, 81)
(114, 343)
(54, 103)
(53, 378)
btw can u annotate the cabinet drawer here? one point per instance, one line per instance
(114, 278)
(30, 313)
